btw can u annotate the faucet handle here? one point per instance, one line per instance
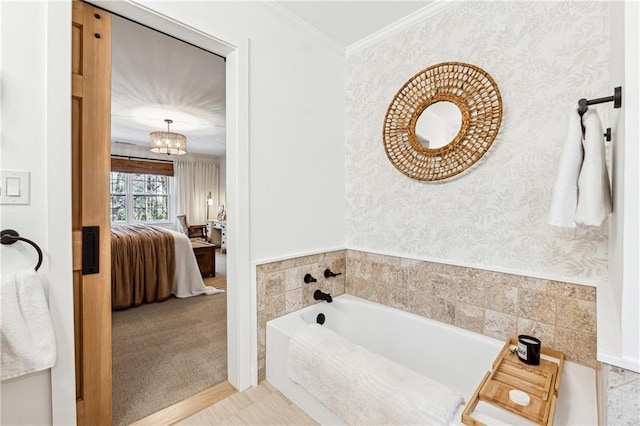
(308, 279)
(329, 274)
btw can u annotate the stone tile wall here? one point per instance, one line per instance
(561, 315)
(499, 305)
(281, 289)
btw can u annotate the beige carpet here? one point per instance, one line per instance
(220, 280)
(168, 351)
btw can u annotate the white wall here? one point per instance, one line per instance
(26, 125)
(223, 183)
(296, 151)
(296, 126)
(630, 314)
(618, 301)
(544, 56)
(139, 151)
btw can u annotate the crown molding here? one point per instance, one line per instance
(304, 26)
(419, 15)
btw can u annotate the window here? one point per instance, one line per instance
(118, 197)
(137, 197)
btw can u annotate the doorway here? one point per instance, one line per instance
(240, 364)
(165, 347)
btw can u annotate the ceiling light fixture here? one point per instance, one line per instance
(168, 142)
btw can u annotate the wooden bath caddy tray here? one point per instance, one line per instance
(540, 382)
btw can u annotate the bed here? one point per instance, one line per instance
(149, 264)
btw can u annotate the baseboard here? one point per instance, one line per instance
(188, 407)
(618, 361)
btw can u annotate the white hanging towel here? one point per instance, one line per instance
(594, 191)
(565, 191)
(27, 340)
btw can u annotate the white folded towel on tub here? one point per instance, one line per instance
(361, 387)
(27, 341)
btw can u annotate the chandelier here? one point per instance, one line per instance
(168, 142)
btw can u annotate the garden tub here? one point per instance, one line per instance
(453, 356)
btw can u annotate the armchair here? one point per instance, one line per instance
(191, 231)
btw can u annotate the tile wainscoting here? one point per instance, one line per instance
(499, 305)
(561, 315)
(281, 289)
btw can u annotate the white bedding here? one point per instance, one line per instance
(187, 280)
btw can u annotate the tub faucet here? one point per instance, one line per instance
(319, 295)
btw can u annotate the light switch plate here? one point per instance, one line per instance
(15, 187)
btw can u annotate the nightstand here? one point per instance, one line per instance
(206, 256)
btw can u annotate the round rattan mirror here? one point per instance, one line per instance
(467, 87)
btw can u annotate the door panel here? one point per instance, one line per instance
(91, 116)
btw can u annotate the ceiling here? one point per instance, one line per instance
(156, 77)
(347, 22)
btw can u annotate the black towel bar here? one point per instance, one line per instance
(9, 236)
(616, 99)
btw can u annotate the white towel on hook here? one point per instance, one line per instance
(565, 191)
(594, 191)
(27, 340)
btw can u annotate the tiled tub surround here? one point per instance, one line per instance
(281, 289)
(500, 305)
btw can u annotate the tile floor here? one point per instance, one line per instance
(623, 396)
(259, 405)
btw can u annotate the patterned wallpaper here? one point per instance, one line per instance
(544, 56)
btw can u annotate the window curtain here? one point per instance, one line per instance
(193, 182)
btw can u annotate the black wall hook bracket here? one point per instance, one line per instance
(616, 99)
(10, 236)
(617, 103)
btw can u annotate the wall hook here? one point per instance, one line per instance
(616, 99)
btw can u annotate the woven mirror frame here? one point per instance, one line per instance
(477, 96)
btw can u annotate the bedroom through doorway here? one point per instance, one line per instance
(169, 303)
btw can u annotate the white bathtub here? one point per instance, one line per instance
(453, 356)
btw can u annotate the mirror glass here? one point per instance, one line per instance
(438, 124)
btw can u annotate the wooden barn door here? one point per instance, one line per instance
(91, 124)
